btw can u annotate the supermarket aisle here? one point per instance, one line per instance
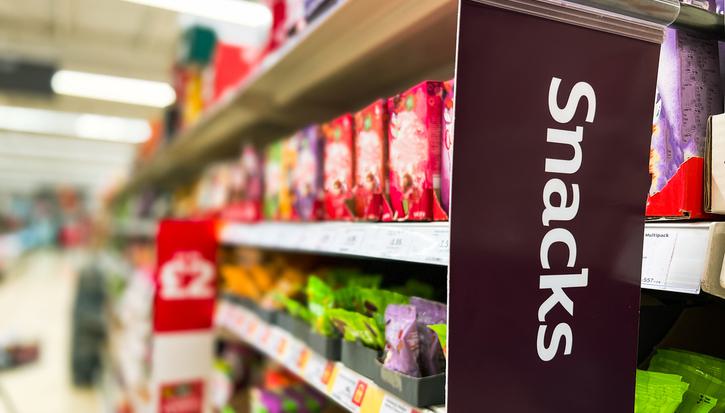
(36, 301)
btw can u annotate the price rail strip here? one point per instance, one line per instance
(350, 390)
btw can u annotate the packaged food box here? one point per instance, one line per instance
(447, 144)
(307, 176)
(688, 92)
(288, 160)
(415, 152)
(272, 180)
(371, 154)
(338, 169)
(246, 186)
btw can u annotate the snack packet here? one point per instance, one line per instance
(441, 331)
(402, 345)
(432, 359)
(357, 327)
(320, 299)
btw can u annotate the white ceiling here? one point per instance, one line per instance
(102, 36)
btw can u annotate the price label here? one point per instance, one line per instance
(316, 371)
(348, 389)
(395, 243)
(393, 405)
(659, 245)
(252, 329)
(238, 319)
(351, 240)
(325, 240)
(292, 357)
(441, 247)
(282, 347)
(304, 358)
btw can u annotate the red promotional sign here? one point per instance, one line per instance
(185, 276)
(187, 397)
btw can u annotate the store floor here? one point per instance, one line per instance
(36, 299)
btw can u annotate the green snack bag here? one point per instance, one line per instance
(296, 308)
(441, 331)
(365, 280)
(374, 302)
(357, 327)
(320, 299)
(348, 298)
(658, 392)
(415, 288)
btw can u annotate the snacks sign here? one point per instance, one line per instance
(548, 203)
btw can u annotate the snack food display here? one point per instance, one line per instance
(415, 152)
(339, 163)
(307, 176)
(447, 143)
(371, 151)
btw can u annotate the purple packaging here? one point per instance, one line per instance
(307, 176)
(687, 93)
(402, 345)
(432, 360)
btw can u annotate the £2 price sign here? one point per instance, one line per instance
(185, 276)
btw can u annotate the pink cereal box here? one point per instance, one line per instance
(415, 153)
(339, 167)
(447, 144)
(371, 170)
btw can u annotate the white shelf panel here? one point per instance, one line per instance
(350, 390)
(426, 242)
(684, 257)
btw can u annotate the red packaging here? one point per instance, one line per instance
(415, 153)
(371, 151)
(339, 164)
(245, 188)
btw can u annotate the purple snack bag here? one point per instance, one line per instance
(432, 359)
(402, 346)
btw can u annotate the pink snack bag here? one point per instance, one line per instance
(415, 153)
(338, 167)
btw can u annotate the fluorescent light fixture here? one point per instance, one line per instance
(80, 125)
(113, 88)
(241, 12)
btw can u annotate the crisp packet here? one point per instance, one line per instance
(320, 299)
(441, 331)
(357, 327)
(373, 303)
(432, 359)
(402, 345)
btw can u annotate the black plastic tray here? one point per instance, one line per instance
(355, 356)
(419, 392)
(328, 347)
(295, 326)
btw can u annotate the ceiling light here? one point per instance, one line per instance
(113, 88)
(80, 125)
(241, 12)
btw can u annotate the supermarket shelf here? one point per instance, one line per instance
(700, 20)
(134, 228)
(322, 72)
(684, 257)
(331, 378)
(425, 242)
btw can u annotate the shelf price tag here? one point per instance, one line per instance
(349, 389)
(317, 370)
(439, 247)
(659, 245)
(323, 239)
(392, 405)
(350, 240)
(395, 243)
